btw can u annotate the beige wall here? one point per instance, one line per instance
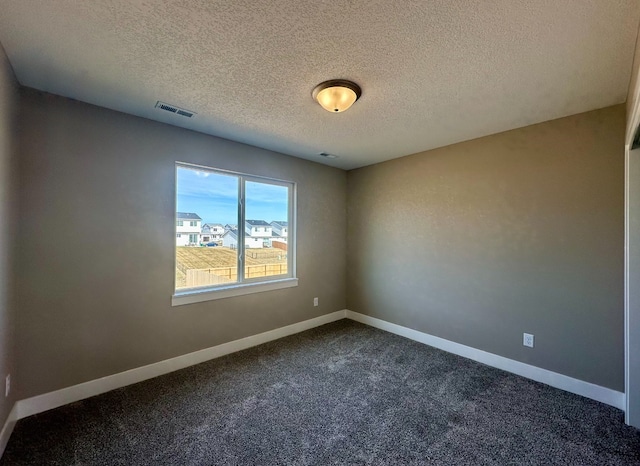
(484, 240)
(96, 244)
(476, 243)
(8, 96)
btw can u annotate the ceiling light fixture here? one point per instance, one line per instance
(336, 95)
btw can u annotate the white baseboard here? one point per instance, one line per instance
(5, 433)
(51, 400)
(47, 401)
(563, 382)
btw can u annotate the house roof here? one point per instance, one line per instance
(187, 216)
(258, 223)
(432, 73)
(232, 233)
(282, 224)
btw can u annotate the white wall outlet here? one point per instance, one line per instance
(527, 340)
(7, 385)
(315, 301)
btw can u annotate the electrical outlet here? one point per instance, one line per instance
(7, 385)
(315, 301)
(527, 340)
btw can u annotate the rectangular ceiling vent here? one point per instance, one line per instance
(174, 109)
(326, 155)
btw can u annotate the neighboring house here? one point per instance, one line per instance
(230, 239)
(188, 229)
(280, 230)
(212, 232)
(228, 227)
(257, 235)
(259, 230)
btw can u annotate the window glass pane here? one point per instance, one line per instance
(266, 222)
(204, 199)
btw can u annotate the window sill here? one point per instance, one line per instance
(198, 296)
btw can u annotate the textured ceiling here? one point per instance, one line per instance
(433, 72)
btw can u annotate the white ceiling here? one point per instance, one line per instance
(433, 72)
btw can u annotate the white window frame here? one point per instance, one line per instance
(243, 286)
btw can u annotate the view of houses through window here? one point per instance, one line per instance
(230, 228)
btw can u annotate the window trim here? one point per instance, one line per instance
(198, 295)
(248, 285)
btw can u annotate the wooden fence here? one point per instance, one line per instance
(259, 253)
(279, 245)
(264, 270)
(220, 275)
(265, 253)
(202, 277)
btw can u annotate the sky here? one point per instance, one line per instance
(214, 197)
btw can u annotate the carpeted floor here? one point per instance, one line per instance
(343, 393)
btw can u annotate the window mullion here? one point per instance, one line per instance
(241, 232)
(291, 228)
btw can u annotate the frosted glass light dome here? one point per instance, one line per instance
(337, 95)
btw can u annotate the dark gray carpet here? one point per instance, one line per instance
(343, 393)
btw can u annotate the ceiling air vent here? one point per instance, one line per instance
(174, 109)
(326, 155)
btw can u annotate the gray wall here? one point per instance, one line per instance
(96, 244)
(476, 243)
(517, 232)
(8, 96)
(633, 414)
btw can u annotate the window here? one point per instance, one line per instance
(240, 263)
(178, 235)
(193, 224)
(180, 223)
